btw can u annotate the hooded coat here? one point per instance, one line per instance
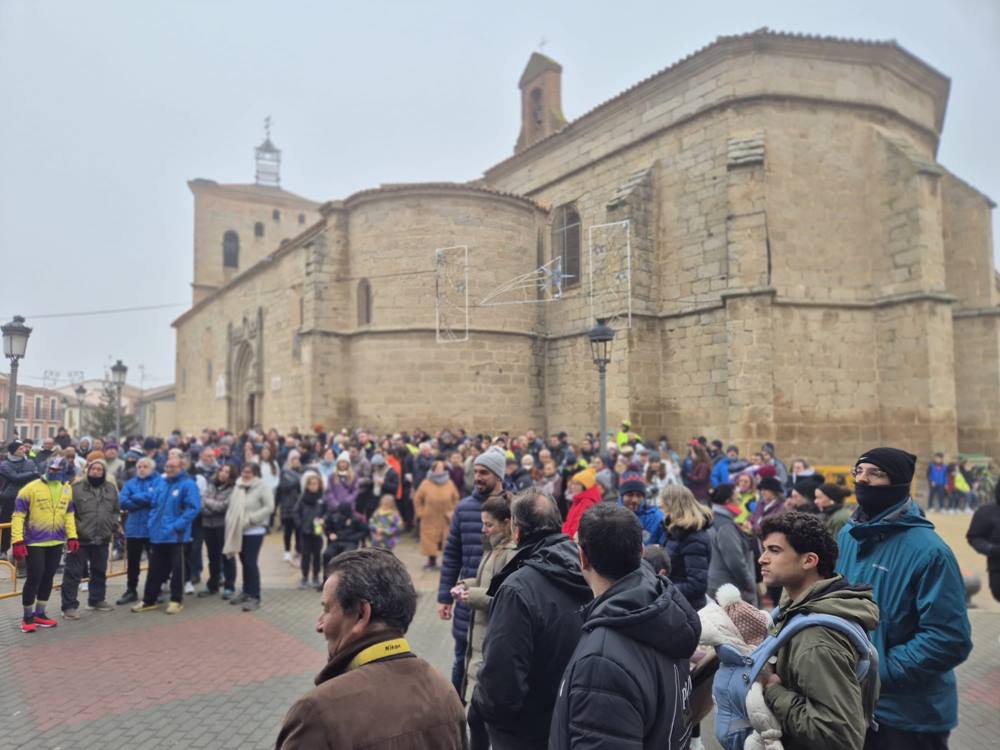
(627, 684)
(923, 631)
(535, 623)
(819, 702)
(433, 504)
(97, 508)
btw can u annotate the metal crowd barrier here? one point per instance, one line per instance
(4, 563)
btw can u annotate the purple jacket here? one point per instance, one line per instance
(759, 513)
(338, 491)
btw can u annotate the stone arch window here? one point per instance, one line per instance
(258, 229)
(276, 215)
(364, 303)
(231, 250)
(566, 243)
(302, 218)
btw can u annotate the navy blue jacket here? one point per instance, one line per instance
(462, 554)
(690, 554)
(923, 631)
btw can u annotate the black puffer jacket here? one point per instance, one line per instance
(627, 685)
(535, 622)
(690, 554)
(984, 533)
(288, 491)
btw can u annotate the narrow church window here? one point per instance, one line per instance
(258, 229)
(537, 112)
(364, 303)
(231, 250)
(209, 372)
(276, 215)
(302, 218)
(566, 243)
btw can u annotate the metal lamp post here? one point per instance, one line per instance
(601, 337)
(80, 391)
(118, 371)
(15, 342)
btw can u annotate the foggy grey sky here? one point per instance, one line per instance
(110, 107)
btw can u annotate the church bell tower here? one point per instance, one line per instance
(541, 100)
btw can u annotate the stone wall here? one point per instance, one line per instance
(204, 352)
(802, 271)
(222, 208)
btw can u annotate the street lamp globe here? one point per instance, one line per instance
(15, 338)
(601, 337)
(80, 391)
(118, 371)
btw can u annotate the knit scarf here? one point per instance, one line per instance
(235, 521)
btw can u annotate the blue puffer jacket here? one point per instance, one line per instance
(923, 631)
(720, 472)
(690, 555)
(651, 519)
(137, 498)
(462, 554)
(176, 504)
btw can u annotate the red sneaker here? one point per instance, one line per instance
(44, 621)
(28, 627)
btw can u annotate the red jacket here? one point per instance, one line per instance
(581, 502)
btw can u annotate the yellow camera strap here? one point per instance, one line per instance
(383, 650)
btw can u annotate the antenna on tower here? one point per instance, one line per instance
(268, 158)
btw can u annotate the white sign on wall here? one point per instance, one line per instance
(276, 383)
(220, 387)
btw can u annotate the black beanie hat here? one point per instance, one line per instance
(722, 494)
(770, 483)
(899, 465)
(835, 492)
(807, 487)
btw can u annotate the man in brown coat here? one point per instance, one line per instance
(368, 603)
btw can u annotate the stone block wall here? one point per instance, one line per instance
(220, 208)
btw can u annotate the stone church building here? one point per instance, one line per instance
(764, 222)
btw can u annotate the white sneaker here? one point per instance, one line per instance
(696, 744)
(288, 557)
(84, 586)
(189, 588)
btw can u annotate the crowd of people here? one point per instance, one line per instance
(582, 579)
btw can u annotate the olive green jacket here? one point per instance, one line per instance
(819, 702)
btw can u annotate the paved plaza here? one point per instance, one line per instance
(217, 677)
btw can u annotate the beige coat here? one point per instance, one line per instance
(492, 563)
(434, 504)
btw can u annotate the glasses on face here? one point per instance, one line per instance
(860, 473)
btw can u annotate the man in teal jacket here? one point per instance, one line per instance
(923, 631)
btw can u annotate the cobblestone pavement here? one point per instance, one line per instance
(212, 677)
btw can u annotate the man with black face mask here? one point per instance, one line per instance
(923, 631)
(95, 499)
